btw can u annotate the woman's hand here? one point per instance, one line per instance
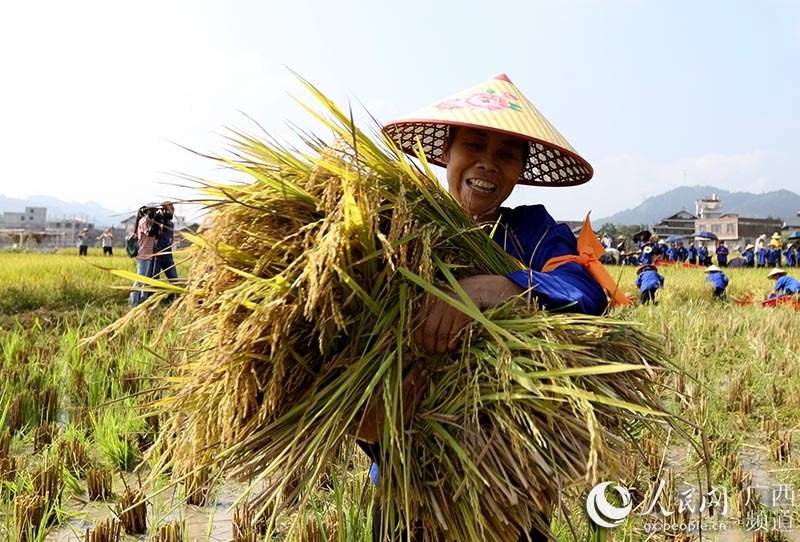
(442, 323)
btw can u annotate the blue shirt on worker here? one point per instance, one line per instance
(718, 279)
(649, 279)
(787, 285)
(529, 234)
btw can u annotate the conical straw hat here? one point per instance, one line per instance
(776, 272)
(499, 106)
(712, 269)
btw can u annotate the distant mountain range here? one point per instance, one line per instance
(782, 204)
(57, 209)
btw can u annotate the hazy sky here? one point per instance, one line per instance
(652, 93)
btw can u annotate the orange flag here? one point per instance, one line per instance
(589, 252)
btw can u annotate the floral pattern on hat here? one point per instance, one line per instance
(490, 100)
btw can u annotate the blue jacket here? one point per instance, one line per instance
(791, 257)
(672, 254)
(718, 279)
(722, 254)
(649, 279)
(749, 257)
(682, 254)
(761, 257)
(787, 285)
(530, 234)
(773, 257)
(692, 253)
(702, 252)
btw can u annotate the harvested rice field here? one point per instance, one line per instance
(225, 406)
(76, 426)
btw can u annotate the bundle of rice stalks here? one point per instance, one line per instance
(98, 484)
(107, 531)
(29, 514)
(246, 526)
(198, 486)
(301, 303)
(169, 532)
(132, 511)
(74, 455)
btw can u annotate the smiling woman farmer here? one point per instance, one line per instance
(308, 298)
(491, 138)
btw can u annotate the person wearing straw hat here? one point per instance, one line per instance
(490, 138)
(761, 251)
(784, 284)
(648, 280)
(646, 257)
(749, 255)
(621, 241)
(718, 280)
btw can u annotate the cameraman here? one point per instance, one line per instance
(145, 230)
(164, 261)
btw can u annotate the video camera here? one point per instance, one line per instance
(160, 217)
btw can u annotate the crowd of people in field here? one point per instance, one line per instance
(772, 252)
(650, 251)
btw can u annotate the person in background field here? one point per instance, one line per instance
(146, 231)
(790, 254)
(606, 241)
(164, 261)
(620, 243)
(761, 251)
(773, 255)
(660, 248)
(702, 254)
(749, 256)
(648, 280)
(83, 242)
(722, 254)
(784, 284)
(692, 250)
(106, 240)
(646, 257)
(672, 252)
(718, 280)
(683, 254)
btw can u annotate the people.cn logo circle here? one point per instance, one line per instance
(602, 512)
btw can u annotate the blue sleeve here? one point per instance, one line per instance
(540, 238)
(639, 281)
(567, 287)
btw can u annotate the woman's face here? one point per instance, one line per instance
(482, 169)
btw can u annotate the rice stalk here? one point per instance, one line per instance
(106, 531)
